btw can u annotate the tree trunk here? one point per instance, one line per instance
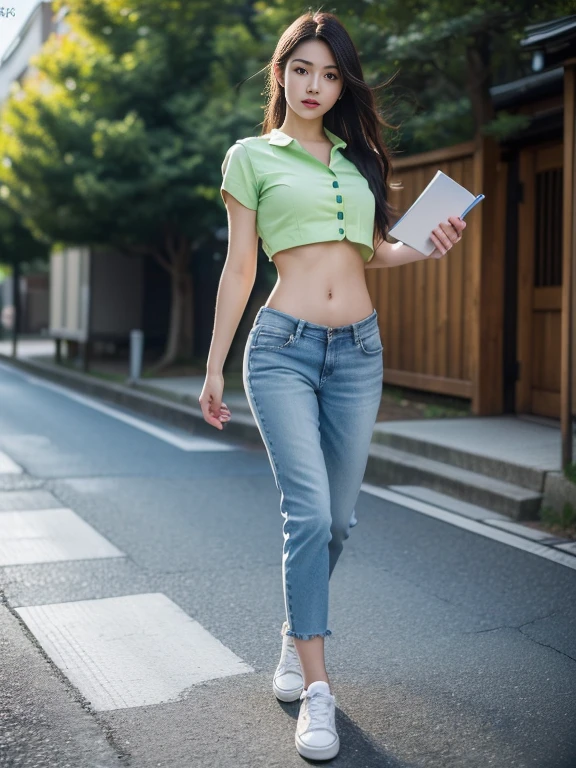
(187, 325)
(479, 78)
(17, 323)
(180, 331)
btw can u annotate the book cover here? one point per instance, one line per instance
(442, 197)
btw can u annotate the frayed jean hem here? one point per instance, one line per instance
(300, 636)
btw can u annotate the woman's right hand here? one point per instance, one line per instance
(215, 412)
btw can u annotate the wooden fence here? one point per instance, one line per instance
(426, 309)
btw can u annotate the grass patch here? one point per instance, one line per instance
(431, 404)
(108, 376)
(394, 392)
(442, 412)
(116, 377)
(562, 523)
(570, 472)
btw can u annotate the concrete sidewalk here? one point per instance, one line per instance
(534, 443)
(183, 383)
(519, 440)
(500, 463)
(189, 388)
(527, 442)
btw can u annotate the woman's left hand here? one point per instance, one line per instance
(445, 235)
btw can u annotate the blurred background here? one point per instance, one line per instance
(115, 118)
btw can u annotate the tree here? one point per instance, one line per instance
(445, 55)
(463, 49)
(119, 138)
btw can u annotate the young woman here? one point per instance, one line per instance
(313, 186)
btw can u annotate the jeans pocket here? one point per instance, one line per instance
(271, 337)
(371, 343)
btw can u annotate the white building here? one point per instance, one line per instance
(37, 28)
(14, 66)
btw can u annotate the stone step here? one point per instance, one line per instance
(390, 466)
(496, 468)
(472, 511)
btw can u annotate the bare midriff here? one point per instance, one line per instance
(324, 283)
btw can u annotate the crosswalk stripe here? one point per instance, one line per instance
(130, 651)
(50, 535)
(24, 501)
(9, 467)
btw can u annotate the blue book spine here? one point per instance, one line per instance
(472, 204)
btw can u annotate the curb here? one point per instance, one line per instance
(242, 427)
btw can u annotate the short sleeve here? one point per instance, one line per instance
(238, 176)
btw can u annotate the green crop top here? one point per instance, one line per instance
(299, 199)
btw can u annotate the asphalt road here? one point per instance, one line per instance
(153, 643)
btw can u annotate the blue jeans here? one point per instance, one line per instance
(314, 392)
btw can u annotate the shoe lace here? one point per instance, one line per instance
(290, 659)
(320, 711)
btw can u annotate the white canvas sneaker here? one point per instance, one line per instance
(288, 681)
(316, 736)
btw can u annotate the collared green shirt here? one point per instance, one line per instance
(298, 199)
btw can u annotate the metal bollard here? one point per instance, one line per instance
(136, 351)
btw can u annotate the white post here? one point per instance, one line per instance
(136, 352)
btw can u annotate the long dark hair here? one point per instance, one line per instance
(354, 118)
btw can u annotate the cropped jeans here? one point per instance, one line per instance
(314, 392)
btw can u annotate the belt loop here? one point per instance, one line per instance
(299, 329)
(356, 334)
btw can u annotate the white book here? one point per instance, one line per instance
(443, 197)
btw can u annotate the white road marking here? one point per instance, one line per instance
(184, 443)
(50, 535)
(130, 651)
(571, 547)
(489, 531)
(9, 467)
(16, 501)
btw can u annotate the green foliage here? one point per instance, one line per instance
(446, 54)
(442, 412)
(121, 133)
(18, 244)
(561, 523)
(120, 137)
(570, 472)
(505, 125)
(444, 124)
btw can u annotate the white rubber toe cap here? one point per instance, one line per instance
(288, 686)
(319, 739)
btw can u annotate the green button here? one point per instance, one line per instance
(334, 183)
(338, 198)
(340, 215)
(341, 231)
